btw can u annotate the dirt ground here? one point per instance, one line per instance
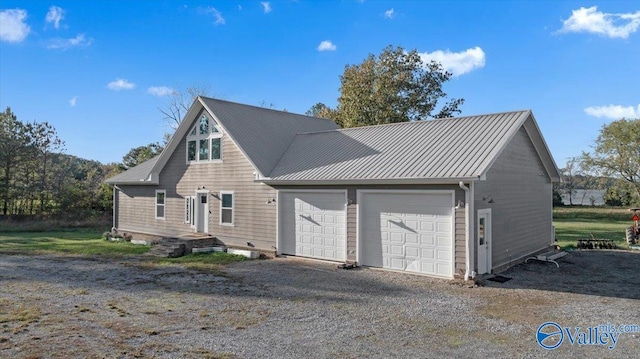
(73, 307)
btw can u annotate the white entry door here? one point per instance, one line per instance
(484, 241)
(202, 212)
(313, 224)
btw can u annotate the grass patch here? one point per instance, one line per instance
(78, 241)
(15, 317)
(202, 261)
(45, 224)
(573, 223)
(592, 213)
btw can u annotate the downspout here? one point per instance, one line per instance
(115, 209)
(466, 230)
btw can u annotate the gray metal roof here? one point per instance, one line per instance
(262, 134)
(139, 174)
(454, 148)
(289, 148)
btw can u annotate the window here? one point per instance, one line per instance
(204, 143)
(160, 203)
(226, 208)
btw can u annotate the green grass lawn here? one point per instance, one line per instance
(85, 242)
(201, 261)
(80, 241)
(573, 223)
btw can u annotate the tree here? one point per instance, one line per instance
(557, 198)
(14, 140)
(45, 142)
(320, 110)
(571, 178)
(618, 195)
(617, 153)
(137, 155)
(180, 102)
(396, 86)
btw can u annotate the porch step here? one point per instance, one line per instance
(177, 247)
(167, 248)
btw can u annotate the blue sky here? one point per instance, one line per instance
(98, 70)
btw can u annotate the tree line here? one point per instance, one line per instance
(36, 178)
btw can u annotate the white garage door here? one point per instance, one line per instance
(409, 231)
(312, 224)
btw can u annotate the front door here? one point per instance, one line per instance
(202, 212)
(484, 241)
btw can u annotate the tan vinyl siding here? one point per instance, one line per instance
(460, 241)
(254, 219)
(136, 208)
(521, 212)
(352, 225)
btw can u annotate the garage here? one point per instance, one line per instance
(407, 230)
(313, 224)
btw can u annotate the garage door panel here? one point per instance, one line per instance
(427, 253)
(311, 224)
(411, 238)
(427, 267)
(427, 226)
(412, 252)
(427, 240)
(407, 231)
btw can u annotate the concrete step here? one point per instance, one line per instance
(167, 248)
(177, 247)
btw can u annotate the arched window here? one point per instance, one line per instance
(204, 142)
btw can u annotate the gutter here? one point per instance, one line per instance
(467, 235)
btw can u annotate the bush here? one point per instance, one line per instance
(618, 196)
(557, 198)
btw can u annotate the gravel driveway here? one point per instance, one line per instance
(55, 306)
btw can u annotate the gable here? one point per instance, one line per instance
(261, 134)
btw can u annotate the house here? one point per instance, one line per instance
(446, 197)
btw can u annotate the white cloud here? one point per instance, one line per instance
(55, 15)
(217, 15)
(458, 63)
(389, 14)
(73, 100)
(121, 84)
(79, 41)
(597, 22)
(326, 45)
(160, 91)
(266, 7)
(12, 25)
(614, 112)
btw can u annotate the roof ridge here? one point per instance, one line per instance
(415, 122)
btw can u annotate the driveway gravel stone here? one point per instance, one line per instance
(62, 307)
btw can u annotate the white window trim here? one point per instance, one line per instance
(193, 211)
(188, 211)
(232, 208)
(209, 137)
(164, 205)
